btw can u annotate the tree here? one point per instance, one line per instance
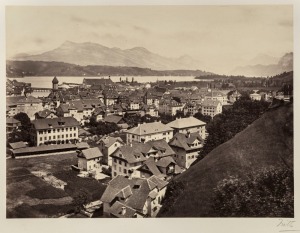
(268, 192)
(226, 125)
(23, 132)
(23, 118)
(101, 128)
(80, 200)
(166, 118)
(173, 192)
(202, 117)
(179, 114)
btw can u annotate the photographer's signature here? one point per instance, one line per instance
(286, 225)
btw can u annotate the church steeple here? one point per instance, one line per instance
(55, 84)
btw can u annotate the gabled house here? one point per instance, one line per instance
(98, 82)
(12, 124)
(46, 113)
(255, 96)
(188, 125)
(89, 159)
(211, 107)
(170, 107)
(99, 113)
(187, 148)
(216, 96)
(149, 110)
(149, 131)
(29, 105)
(164, 168)
(127, 158)
(81, 110)
(111, 97)
(152, 98)
(109, 145)
(191, 108)
(59, 130)
(133, 198)
(233, 96)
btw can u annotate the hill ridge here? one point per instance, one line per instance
(268, 141)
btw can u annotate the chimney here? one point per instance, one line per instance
(123, 210)
(188, 134)
(130, 174)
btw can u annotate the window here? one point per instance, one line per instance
(40, 132)
(74, 128)
(49, 130)
(62, 136)
(115, 144)
(58, 130)
(49, 137)
(53, 137)
(120, 162)
(66, 129)
(58, 136)
(74, 134)
(53, 130)
(67, 135)
(41, 139)
(45, 138)
(120, 170)
(115, 160)
(62, 130)
(115, 174)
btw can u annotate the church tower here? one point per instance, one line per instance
(55, 84)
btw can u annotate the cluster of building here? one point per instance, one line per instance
(152, 154)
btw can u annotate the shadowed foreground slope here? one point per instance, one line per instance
(266, 142)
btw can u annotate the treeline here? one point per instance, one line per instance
(227, 81)
(267, 192)
(43, 68)
(232, 121)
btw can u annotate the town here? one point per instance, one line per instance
(111, 149)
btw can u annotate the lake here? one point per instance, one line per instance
(46, 81)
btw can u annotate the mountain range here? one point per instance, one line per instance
(87, 53)
(263, 66)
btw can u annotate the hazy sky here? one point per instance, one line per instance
(220, 37)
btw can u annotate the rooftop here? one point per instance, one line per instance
(108, 140)
(149, 128)
(60, 122)
(90, 153)
(185, 123)
(211, 103)
(140, 190)
(185, 141)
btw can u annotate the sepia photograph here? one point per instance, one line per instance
(150, 111)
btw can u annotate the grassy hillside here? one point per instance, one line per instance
(266, 142)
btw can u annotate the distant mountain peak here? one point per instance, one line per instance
(89, 53)
(139, 49)
(263, 68)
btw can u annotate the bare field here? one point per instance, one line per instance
(29, 196)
